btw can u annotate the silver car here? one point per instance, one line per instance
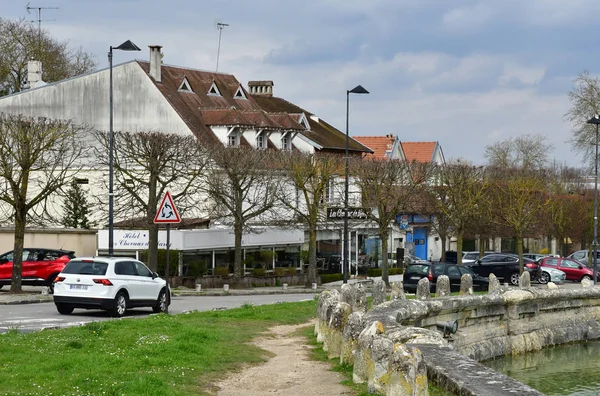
(551, 275)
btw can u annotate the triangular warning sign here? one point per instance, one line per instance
(167, 212)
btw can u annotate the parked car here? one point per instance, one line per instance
(114, 284)
(40, 266)
(574, 270)
(505, 266)
(584, 256)
(471, 257)
(535, 256)
(412, 259)
(416, 272)
(550, 274)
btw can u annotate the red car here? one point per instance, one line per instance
(40, 266)
(574, 270)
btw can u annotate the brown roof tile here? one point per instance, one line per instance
(380, 145)
(419, 151)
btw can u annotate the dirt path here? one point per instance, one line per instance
(289, 372)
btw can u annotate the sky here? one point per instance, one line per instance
(464, 73)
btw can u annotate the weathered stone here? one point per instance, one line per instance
(379, 293)
(363, 361)
(494, 285)
(354, 326)
(334, 334)
(442, 286)
(466, 284)
(525, 280)
(552, 285)
(585, 283)
(355, 296)
(397, 291)
(327, 300)
(423, 292)
(407, 373)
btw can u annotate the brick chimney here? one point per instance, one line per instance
(155, 62)
(263, 88)
(34, 73)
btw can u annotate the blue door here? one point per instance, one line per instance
(420, 240)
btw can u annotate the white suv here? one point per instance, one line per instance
(109, 283)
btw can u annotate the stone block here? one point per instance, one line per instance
(397, 291)
(442, 286)
(334, 334)
(407, 372)
(354, 326)
(552, 286)
(525, 280)
(327, 300)
(355, 296)
(379, 293)
(585, 283)
(466, 284)
(494, 285)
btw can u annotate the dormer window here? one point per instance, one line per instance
(239, 94)
(232, 140)
(185, 86)
(304, 121)
(214, 90)
(261, 141)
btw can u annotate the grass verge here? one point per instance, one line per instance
(158, 355)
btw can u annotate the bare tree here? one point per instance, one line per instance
(585, 103)
(463, 187)
(527, 151)
(304, 197)
(390, 187)
(146, 165)
(39, 157)
(242, 183)
(20, 41)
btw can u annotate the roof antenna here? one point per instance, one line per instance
(220, 26)
(39, 20)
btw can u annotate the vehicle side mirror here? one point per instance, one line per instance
(154, 275)
(478, 261)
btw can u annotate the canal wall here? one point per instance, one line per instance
(397, 346)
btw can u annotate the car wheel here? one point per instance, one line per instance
(161, 302)
(119, 305)
(64, 309)
(586, 277)
(514, 278)
(544, 278)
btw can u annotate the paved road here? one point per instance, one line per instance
(34, 317)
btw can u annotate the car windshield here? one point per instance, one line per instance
(419, 269)
(471, 256)
(85, 268)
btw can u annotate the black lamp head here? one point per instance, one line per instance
(358, 90)
(128, 46)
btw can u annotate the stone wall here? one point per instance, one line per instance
(381, 344)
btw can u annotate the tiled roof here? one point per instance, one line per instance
(249, 118)
(322, 133)
(419, 151)
(381, 145)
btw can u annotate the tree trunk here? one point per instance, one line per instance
(20, 221)
(520, 253)
(459, 244)
(481, 246)
(312, 257)
(383, 234)
(443, 257)
(237, 266)
(153, 247)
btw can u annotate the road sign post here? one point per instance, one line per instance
(167, 214)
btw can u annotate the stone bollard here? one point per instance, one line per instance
(423, 292)
(397, 291)
(199, 288)
(407, 372)
(332, 341)
(466, 285)
(552, 286)
(585, 283)
(226, 287)
(314, 286)
(45, 291)
(442, 286)
(524, 280)
(379, 293)
(327, 300)
(354, 294)
(285, 286)
(494, 285)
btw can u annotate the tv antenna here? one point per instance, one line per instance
(220, 26)
(39, 19)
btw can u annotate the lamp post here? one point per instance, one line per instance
(126, 46)
(595, 121)
(356, 90)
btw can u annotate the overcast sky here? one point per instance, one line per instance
(465, 73)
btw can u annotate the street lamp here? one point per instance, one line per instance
(126, 46)
(595, 121)
(356, 90)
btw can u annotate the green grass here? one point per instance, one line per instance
(158, 355)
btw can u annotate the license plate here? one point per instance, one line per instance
(79, 287)
(415, 277)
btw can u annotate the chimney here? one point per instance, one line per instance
(34, 73)
(263, 88)
(155, 62)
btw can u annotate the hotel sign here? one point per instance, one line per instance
(353, 213)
